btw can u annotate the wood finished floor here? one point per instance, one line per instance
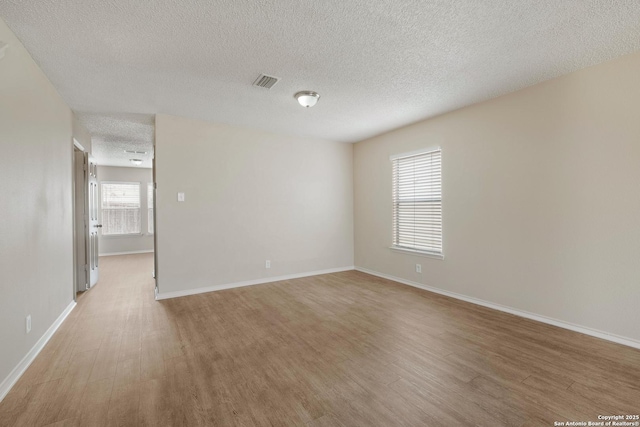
(344, 349)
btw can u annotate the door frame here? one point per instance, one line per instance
(75, 146)
(155, 224)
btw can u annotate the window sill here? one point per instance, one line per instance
(120, 236)
(418, 253)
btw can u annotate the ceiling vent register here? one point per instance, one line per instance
(265, 81)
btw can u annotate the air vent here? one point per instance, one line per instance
(265, 81)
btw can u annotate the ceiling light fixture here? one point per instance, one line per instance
(307, 98)
(135, 152)
(136, 162)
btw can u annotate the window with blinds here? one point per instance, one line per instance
(417, 201)
(150, 208)
(120, 208)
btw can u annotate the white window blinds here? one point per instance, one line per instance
(120, 208)
(417, 201)
(150, 208)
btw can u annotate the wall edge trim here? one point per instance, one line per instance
(630, 342)
(187, 292)
(26, 361)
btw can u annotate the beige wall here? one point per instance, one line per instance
(541, 199)
(81, 134)
(36, 257)
(251, 196)
(117, 244)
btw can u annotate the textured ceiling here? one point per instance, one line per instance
(377, 64)
(114, 134)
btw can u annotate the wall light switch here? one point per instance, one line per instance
(181, 197)
(418, 268)
(267, 264)
(28, 323)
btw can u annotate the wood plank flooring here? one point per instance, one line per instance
(344, 349)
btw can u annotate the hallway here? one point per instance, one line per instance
(98, 351)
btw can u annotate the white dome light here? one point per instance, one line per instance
(136, 162)
(307, 98)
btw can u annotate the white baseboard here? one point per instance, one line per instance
(176, 294)
(148, 251)
(544, 319)
(17, 372)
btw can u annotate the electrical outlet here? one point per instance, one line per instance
(28, 323)
(418, 268)
(181, 197)
(267, 264)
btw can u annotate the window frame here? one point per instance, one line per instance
(119, 236)
(410, 250)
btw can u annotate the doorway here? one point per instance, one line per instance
(79, 238)
(85, 220)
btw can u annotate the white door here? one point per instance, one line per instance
(80, 220)
(93, 225)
